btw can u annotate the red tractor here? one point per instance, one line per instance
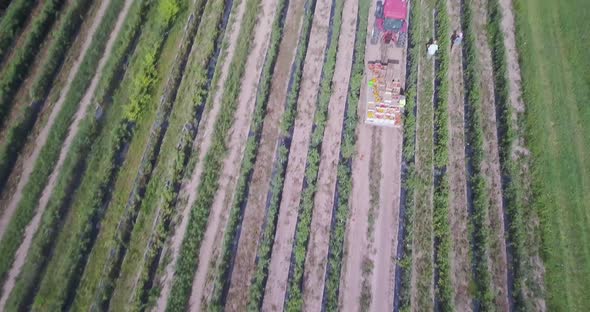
(391, 22)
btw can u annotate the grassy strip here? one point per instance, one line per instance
(230, 239)
(12, 23)
(476, 180)
(105, 261)
(50, 152)
(74, 164)
(444, 292)
(188, 257)
(18, 68)
(281, 159)
(344, 173)
(294, 300)
(402, 296)
(90, 201)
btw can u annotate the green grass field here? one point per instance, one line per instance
(553, 43)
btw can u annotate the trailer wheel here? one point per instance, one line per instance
(401, 40)
(375, 35)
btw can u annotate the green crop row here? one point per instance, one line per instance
(294, 299)
(287, 122)
(12, 24)
(347, 150)
(222, 279)
(478, 227)
(403, 290)
(513, 189)
(80, 230)
(20, 64)
(444, 292)
(213, 162)
(75, 162)
(50, 152)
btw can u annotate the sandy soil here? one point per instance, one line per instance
(31, 160)
(237, 144)
(255, 210)
(317, 252)
(190, 189)
(355, 245)
(31, 229)
(491, 162)
(458, 214)
(281, 255)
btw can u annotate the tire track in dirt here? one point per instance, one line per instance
(288, 211)
(491, 162)
(212, 241)
(29, 163)
(458, 213)
(31, 229)
(317, 254)
(254, 213)
(190, 190)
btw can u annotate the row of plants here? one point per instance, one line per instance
(266, 241)
(513, 188)
(12, 23)
(342, 194)
(50, 152)
(444, 292)
(93, 196)
(76, 161)
(294, 297)
(189, 251)
(236, 211)
(478, 197)
(105, 261)
(403, 268)
(18, 68)
(136, 285)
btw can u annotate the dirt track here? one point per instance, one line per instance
(491, 163)
(190, 189)
(458, 213)
(281, 254)
(254, 212)
(30, 162)
(237, 143)
(317, 253)
(31, 229)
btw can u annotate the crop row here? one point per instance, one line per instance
(230, 239)
(18, 68)
(344, 174)
(213, 162)
(441, 226)
(105, 262)
(50, 152)
(76, 161)
(294, 297)
(12, 23)
(93, 196)
(163, 188)
(267, 236)
(476, 181)
(403, 269)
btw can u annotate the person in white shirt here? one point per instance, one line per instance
(432, 48)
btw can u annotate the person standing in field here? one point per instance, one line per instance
(456, 39)
(432, 48)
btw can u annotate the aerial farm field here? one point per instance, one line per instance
(294, 155)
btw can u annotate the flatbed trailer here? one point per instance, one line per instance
(384, 96)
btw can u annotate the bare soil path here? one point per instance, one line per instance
(231, 168)
(458, 213)
(255, 210)
(491, 161)
(317, 253)
(190, 190)
(31, 229)
(288, 211)
(30, 162)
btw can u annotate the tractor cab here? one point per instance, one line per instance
(390, 22)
